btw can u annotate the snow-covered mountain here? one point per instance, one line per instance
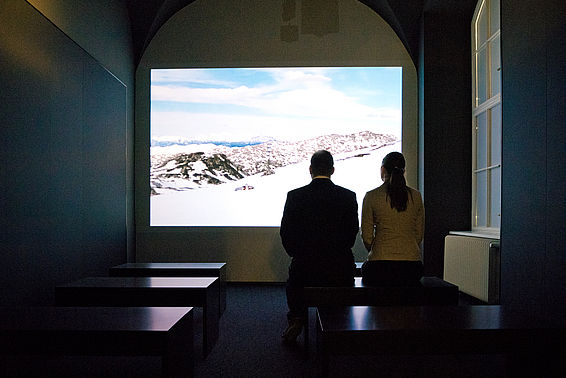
(190, 166)
(166, 141)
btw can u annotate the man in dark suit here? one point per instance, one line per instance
(318, 230)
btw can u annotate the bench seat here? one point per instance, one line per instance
(431, 291)
(363, 330)
(199, 269)
(101, 331)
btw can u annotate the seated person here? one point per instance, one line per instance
(392, 228)
(318, 230)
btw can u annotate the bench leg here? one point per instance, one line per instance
(3, 366)
(210, 321)
(322, 352)
(222, 297)
(306, 336)
(178, 357)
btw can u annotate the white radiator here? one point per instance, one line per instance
(473, 264)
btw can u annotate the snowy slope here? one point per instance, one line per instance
(192, 166)
(357, 163)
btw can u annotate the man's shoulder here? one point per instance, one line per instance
(298, 190)
(312, 186)
(345, 191)
(322, 185)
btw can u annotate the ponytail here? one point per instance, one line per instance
(397, 191)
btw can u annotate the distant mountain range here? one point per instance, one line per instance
(181, 141)
(228, 162)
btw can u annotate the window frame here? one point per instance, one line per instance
(486, 107)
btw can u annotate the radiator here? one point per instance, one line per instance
(473, 264)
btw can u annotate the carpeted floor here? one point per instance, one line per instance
(250, 337)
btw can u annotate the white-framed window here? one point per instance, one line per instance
(486, 117)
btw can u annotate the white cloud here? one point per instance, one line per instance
(300, 103)
(312, 99)
(187, 75)
(237, 127)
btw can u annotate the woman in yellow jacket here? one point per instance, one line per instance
(393, 228)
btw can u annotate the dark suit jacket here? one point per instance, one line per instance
(320, 222)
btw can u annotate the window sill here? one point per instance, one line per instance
(478, 234)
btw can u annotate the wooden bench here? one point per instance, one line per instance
(88, 331)
(175, 270)
(148, 291)
(435, 330)
(432, 291)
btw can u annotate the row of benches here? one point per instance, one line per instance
(426, 319)
(140, 309)
(352, 320)
(156, 284)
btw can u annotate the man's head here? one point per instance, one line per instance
(322, 164)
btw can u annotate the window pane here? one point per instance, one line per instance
(481, 141)
(496, 135)
(481, 199)
(481, 73)
(482, 26)
(495, 216)
(494, 15)
(495, 66)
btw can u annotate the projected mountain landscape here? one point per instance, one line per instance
(227, 144)
(173, 170)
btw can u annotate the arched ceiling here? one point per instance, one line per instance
(148, 16)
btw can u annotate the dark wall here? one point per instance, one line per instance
(445, 124)
(63, 160)
(533, 223)
(103, 29)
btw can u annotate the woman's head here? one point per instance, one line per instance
(393, 174)
(393, 162)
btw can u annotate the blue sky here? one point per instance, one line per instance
(234, 104)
